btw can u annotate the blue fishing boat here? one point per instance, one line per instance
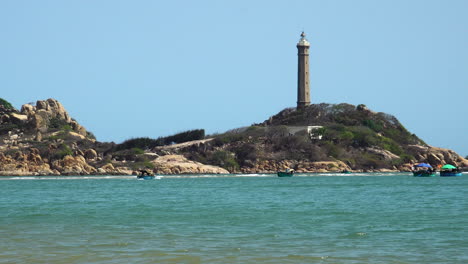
(448, 170)
(423, 170)
(145, 177)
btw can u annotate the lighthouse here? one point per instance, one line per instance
(303, 87)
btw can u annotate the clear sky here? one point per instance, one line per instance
(139, 68)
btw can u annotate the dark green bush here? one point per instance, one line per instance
(245, 152)
(186, 136)
(61, 152)
(137, 151)
(224, 159)
(390, 145)
(6, 104)
(57, 123)
(148, 143)
(141, 143)
(376, 126)
(228, 138)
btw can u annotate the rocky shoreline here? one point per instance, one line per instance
(43, 140)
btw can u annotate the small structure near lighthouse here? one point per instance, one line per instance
(303, 87)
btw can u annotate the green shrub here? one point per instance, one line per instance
(148, 143)
(186, 136)
(90, 135)
(224, 159)
(137, 151)
(141, 143)
(57, 123)
(390, 145)
(59, 135)
(228, 138)
(61, 152)
(376, 126)
(6, 104)
(245, 152)
(404, 158)
(331, 149)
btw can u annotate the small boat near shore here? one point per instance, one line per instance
(423, 170)
(448, 170)
(422, 173)
(286, 173)
(145, 177)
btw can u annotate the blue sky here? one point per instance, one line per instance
(138, 68)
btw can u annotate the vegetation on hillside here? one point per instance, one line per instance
(149, 143)
(6, 104)
(349, 133)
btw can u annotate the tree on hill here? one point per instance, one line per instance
(5, 104)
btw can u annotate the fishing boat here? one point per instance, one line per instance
(286, 173)
(449, 170)
(145, 177)
(422, 173)
(423, 170)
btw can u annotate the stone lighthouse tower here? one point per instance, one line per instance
(303, 88)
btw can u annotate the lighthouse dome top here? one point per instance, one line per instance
(303, 41)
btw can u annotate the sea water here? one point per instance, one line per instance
(309, 218)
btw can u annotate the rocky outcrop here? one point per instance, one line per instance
(110, 169)
(43, 139)
(90, 154)
(384, 154)
(272, 166)
(178, 164)
(46, 114)
(437, 156)
(70, 165)
(24, 164)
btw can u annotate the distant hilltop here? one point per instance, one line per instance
(42, 139)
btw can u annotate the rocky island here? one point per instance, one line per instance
(42, 139)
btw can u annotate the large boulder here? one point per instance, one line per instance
(18, 118)
(437, 156)
(178, 164)
(27, 109)
(47, 112)
(24, 164)
(70, 165)
(90, 154)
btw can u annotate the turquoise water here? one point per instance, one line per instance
(256, 219)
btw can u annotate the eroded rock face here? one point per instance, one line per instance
(438, 156)
(70, 165)
(27, 109)
(90, 154)
(46, 112)
(24, 164)
(178, 164)
(384, 154)
(272, 166)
